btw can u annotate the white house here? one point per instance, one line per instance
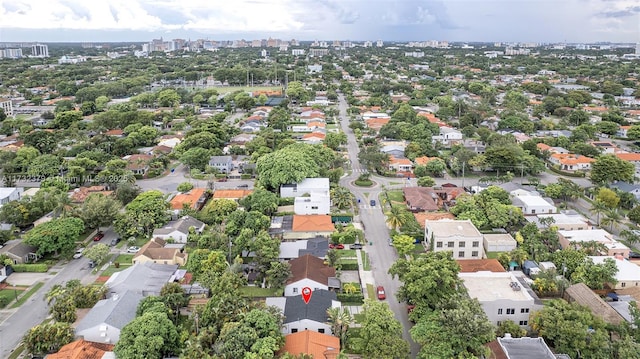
(448, 136)
(458, 236)
(178, 231)
(316, 203)
(306, 186)
(499, 242)
(531, 202)
(299, 316)
(562, 221)
(501, 296)
(105, 320)
(8, 194)
(571, 239)
(628, 273)
(224, 164)
(310, 271)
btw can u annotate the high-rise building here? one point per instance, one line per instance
(638, 48)
(40, 50)
(379, 43)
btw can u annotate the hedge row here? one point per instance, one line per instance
(350, 298)
(30, 268)
(568, 174)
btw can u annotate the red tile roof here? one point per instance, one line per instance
(315, 344)
(82, 349)
(312, 223)
(190, 198)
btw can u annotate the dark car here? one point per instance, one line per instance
(634, 255)
(372, 202)
(243, 186)
(115, 241)
(98, 236)
(356, 246)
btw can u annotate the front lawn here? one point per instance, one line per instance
(395, 196)
(6, 296)
(112, 269)
(26, 295)
(124, 259)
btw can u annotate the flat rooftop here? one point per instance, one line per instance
(499, 238)
(450, 228)
(490, 286)
(598, 235)
(526, 348)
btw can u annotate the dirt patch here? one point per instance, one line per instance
(102, 279)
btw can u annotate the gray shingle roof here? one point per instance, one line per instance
(116, 311)
(182, 225)
(295, 309)
(143, 278)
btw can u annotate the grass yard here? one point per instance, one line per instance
(6, 296)
(26, 295)
(395, 196)
(124, 259)
(112, 269)
(366, 263)
(419, 248)
(371, 292)
(256, 292)
(348, 253)
(358, 318)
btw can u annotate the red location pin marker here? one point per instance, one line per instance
(306, 294)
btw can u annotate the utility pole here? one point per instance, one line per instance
(463, 165)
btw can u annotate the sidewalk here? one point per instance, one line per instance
(366, 277)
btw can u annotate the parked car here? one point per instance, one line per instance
(372, 203)
(391, 242)
(78, 254)
(92, 264)
(133, 250)
(243, 186)
(224, 179)
(115, 241)
(336, 246)
(98, 236)
(381, 294)
(356, 246)
(634, 255)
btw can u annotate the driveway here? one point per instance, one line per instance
(27, 279)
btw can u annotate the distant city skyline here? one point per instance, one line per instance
(541, 21)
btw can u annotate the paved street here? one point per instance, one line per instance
(16, 322)
(170, 182)
(381, 255)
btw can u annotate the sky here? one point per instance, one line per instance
(390, 20)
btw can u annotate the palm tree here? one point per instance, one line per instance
(341, 197)
(598, 208)
(340, 319)
(592, 248)
(613, 219)
(397, 217)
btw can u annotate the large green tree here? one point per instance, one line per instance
(145, 213)
(56, 236)
(609, 168)
(572, 329)
(150, 336)
(380, 334)
(287, 165)
(48, 338)
(99, 210)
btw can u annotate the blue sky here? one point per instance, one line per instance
(391, 20)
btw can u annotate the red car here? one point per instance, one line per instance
(98, 236)
(336, 246)
(381, 294)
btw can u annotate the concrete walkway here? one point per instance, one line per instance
(366, 277)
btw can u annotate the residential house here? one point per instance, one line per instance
(622, 131)
(605, 147)
(306, 186)
(142, 278)
(4, 272)
(118, 133)
(317, 247)
(499, 242)
(430, 199)
(82, 349)
(194, 199)
(138, 163)
(571, 162)
(376, 123)
(104, 322)
(19, 252)
(242, 139)
(475, 146)
(522, 348)
(79, 195)
(224, 164)
(313, 138)
(157, 251)
(531, 202)
(396, 150)
(633, 158)
(628, 274)
(170, 141)
(634, 189)
(575, 238)
(421, 161)
(448, 136)
(315, 203)
(480, 265)
(310, 226)
(400, 164)
(502, 296)
(232, 194)
(312, 272)
(299, 316)
(581, 294)
(562, 221)
(312, 344)
(178, 231)
(8, 194)
(460, 237)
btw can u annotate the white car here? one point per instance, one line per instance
(78, 254)
(133, 250)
